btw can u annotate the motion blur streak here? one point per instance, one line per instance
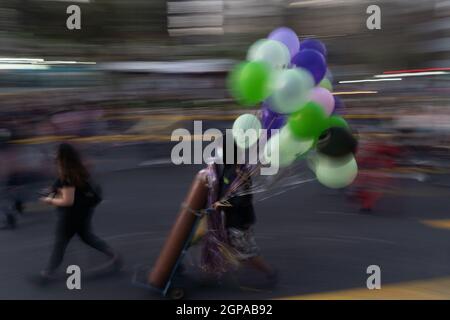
(370, 80)
(412, 74)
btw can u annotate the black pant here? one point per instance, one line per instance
(69, 224)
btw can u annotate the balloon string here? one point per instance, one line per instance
(240, 182)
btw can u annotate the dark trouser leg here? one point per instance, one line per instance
(88, 237)
(18, 205)
(6, 206)
(63, 235)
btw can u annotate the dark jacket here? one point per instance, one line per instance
(241, 214)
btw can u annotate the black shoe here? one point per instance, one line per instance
(46, 276)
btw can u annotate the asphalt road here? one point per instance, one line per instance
(314, 236)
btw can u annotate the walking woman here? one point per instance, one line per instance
(75, 198)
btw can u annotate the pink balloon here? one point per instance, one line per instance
(323, 97)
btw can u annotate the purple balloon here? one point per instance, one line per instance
(288, 37)
(313, 61)
(271, 119)
(313, 44)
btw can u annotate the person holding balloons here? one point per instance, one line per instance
(235, 201)
(288, 78)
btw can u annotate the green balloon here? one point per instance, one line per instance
(325, 83)
(249, 82)
(336, 121)
(309, 122)
(334, 173)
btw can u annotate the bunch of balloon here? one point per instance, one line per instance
(291, 81)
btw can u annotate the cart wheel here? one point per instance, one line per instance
(176, 293)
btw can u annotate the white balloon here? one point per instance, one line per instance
(246, 130)
(335, 173)
(291, 90)
(274, 53)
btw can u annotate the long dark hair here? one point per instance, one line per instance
(71, 167)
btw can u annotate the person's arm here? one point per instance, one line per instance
(220, 204)
(66, 198)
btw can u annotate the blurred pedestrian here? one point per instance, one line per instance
(11, 182)
(76, 197)
(21, 171)
(375, 158)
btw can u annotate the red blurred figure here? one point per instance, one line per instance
(375, 158)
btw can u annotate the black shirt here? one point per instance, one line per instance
(78, 202)
(241, 214)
